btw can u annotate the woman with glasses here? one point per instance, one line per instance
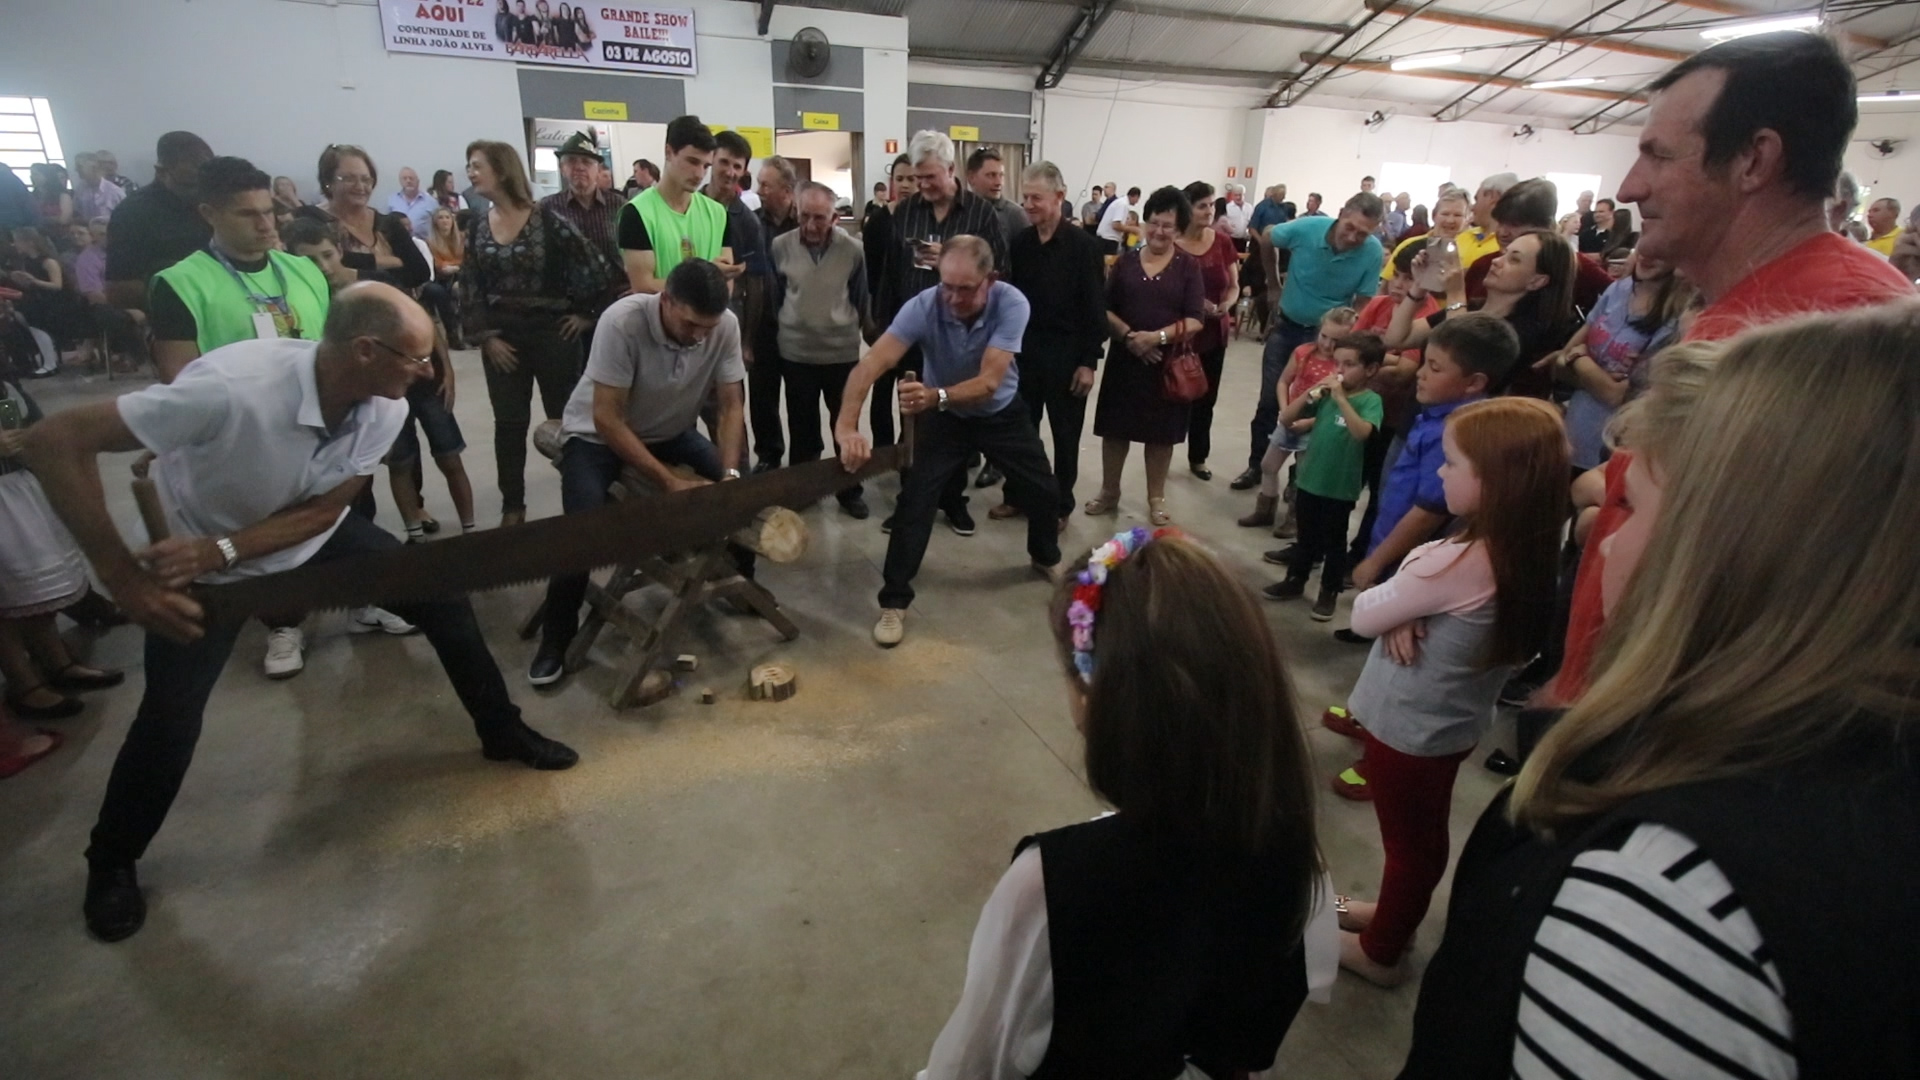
(530, 285)
(374, 245)
(1156, 299)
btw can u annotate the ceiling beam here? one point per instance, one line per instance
(766, 16)
(1165, 11)
(1443, 74)
(1086, 65)
(1525, 30)
(1724, 7)
(1093, 14)
(1464, 106)
(1291, 88)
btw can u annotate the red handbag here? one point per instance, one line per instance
(1182, 379)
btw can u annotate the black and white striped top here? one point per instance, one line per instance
(1647, 965)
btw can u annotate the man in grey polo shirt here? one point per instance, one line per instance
(656, 358)
(967, 330)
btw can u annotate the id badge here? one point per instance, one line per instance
(263, 325)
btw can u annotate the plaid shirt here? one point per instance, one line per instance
(595, 222)
(913, 219)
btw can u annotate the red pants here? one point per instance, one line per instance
(1413, 797)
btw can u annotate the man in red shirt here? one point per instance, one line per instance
(1741, 149)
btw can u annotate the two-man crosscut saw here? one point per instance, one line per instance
(620, 532)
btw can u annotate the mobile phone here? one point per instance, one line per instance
(12, 417)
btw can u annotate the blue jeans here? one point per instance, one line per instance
(180, 678)
(587, 470)
(1285, 337)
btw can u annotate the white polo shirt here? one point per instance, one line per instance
(239, 437)
(1115, 215)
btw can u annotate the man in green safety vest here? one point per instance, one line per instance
(672, 221)
(238, 286)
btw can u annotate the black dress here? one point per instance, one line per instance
(1131, 406)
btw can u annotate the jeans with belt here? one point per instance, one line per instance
(180, 678)
(1282, 340)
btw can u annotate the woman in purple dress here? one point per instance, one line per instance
(1155, 302)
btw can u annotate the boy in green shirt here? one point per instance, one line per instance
(1329, 479)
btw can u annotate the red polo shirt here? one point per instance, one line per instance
(1826, 272)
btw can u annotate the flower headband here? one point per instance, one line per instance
(1091, 582)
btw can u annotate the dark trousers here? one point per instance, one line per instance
(942, 442)
(544, 358)
(1322, 538)
(1285, 337)
(437, 297)
(1200, 416)
(587, 470)
(880, 404)
(806, 386)
(180, 678)
(763, 400)
(1046, 386)
(1373, 467)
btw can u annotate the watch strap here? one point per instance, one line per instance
(227, 551)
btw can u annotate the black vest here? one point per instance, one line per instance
(1162, 954)
(1824, 854)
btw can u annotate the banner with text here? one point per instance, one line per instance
(606, 38)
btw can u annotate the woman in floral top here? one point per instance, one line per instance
(530, 287)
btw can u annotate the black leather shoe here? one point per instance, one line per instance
(1246, 480)
(114, 908)
(855, 507)
(1503, 763)
(65, 709)
(887, 525)
(988, 477)
(549, 663)
(531, 749)
(1348, 637)
(768, 465)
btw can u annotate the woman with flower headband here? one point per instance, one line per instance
(1168, 939)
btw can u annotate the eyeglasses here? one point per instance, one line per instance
(401, 355)
(356, 181)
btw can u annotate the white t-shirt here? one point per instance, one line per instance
(1237, 217)
(1115, 214)
(239, 437)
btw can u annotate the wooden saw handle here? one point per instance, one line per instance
(906, 426)
(152, 514)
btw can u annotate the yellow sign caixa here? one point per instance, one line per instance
(820, 121)
(963, 133)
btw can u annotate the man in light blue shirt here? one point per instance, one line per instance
(968, 329)
(416, 205)
(1333, 264)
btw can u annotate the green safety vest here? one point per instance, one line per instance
(677, 237)
(224, 312)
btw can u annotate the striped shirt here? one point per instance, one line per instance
(913, 222)
(1648, 965)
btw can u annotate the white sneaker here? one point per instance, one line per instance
(891, 627)
(286, 652)
(368, 619)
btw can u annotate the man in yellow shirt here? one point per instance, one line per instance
(1883, 225)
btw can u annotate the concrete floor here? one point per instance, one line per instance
(346, 889)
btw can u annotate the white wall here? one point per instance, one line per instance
(276, 80)
(1329, 150)
(1899, 175)
(829, 156)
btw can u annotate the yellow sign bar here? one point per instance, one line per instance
(605, 110)
(962, 133)
(820, 121)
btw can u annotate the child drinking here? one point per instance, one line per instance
(1453, 623)
(1309, 365)
(1346, 414)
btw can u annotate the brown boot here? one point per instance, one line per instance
(1288, 528)
(1263, 506)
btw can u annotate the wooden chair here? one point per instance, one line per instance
(692, 578)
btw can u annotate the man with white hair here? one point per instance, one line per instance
(1480, 238)
(965, 331)
(413, 204)
(938, 211)
(1237, 216)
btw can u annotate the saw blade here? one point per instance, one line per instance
(619, 532)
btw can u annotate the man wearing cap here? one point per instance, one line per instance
(587, 206)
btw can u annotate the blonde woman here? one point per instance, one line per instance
(1658, 896)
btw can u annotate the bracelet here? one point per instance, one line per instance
(1163, 337)
(1457, 305)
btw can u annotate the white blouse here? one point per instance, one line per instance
(1001, 1028)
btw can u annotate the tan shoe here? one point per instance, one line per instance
(891, 627)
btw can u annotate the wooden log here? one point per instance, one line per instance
(547, 440)
(686, 662)
(777, 533)
(147, 497)
(706, 696)
(772, 682)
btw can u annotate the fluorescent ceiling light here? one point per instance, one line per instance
(1763, 26)
(1890, 95)
(1413, 63)
(1555, 84)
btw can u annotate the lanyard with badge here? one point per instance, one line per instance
(273, 316)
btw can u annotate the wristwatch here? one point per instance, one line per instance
(1457, 305)
(227, 551)
(1163, 337)
(730, 474)
(942, 405)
